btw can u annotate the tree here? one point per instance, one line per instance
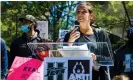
(61, 14)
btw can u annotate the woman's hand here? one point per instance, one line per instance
(93, 56)
(96, 68)
(74, 35)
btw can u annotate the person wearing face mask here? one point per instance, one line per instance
(124, 57)
(30, 34)
(87, 33)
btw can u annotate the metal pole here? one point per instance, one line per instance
(123, 2)
(17, 20)
(16, 26)
(108, 73)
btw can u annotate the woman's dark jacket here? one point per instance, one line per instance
(99, 36)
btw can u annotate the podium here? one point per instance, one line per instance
(73, 61)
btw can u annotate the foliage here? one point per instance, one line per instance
(59, 14)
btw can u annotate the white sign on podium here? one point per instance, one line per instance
(67, 68)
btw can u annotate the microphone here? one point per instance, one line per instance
(76, 24)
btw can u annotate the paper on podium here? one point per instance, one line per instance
(75, 51)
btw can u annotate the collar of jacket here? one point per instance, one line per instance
(29, 39)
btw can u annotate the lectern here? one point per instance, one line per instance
(73, 61)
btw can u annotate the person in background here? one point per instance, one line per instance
(19, 46)
(42, 51)
(4, 60)
(87, 33)
(124, 57)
